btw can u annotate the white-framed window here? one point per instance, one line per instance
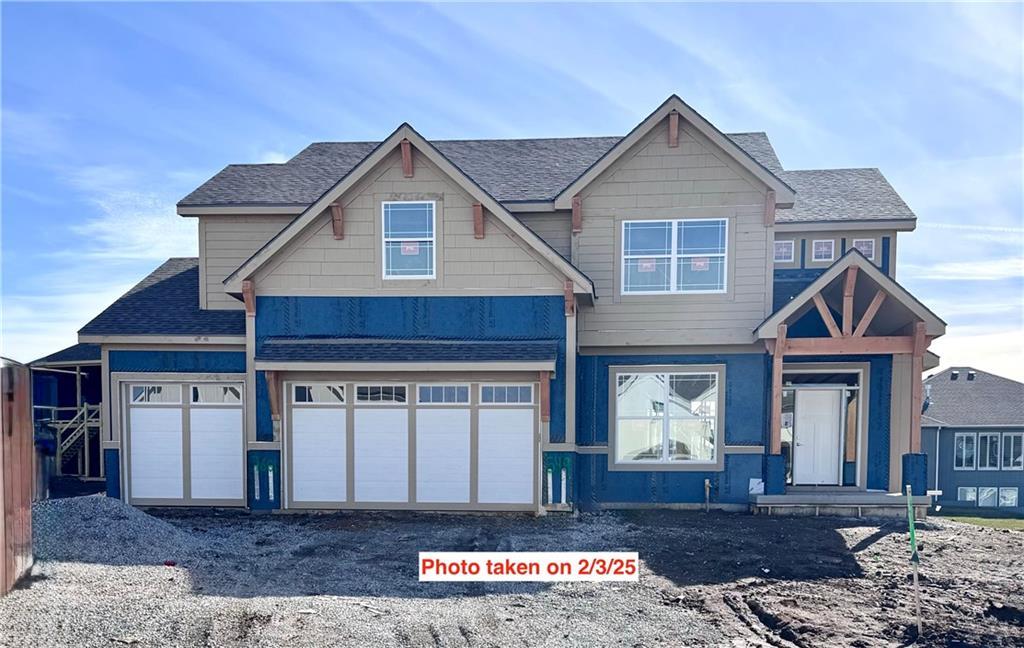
(381, 394)
(318, 394)
(988, 496)
(674, 256)
(442, 394)
(211, 394)
(965, 451)
(866, 247)
(1013, 451)
(988, 451)
(506, 394)
(156, 394)
(823, 250)
(967, 494)
(666, 417)
(1008, 496)
(784, 251)
(408, 228)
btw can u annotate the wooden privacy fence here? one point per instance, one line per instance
(16, 473)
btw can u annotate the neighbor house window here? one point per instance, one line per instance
(666, 417)
(823, 250)
(784, 251)
(964, 452)
(866, 247)
(988, 496)
(1008, 496)
(408, 240)
(1013, 451)
(988, 451)
(967, 494)
(674, 256)
(443, 394)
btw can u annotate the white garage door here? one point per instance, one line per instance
(166, 418)
(380, 458)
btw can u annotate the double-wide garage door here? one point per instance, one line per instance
(411, 445)
(185, 443)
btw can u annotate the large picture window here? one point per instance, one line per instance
(666, 417)
(674, 256)
(408, 240)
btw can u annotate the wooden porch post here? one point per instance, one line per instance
(916, 388)
(777, 357)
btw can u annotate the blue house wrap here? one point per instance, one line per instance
(410, 318)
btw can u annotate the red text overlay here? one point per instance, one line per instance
(534, 566)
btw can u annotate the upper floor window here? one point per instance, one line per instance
(823, 250)
(674, 256)
(408, 240)
(866, 247)
(784, 251)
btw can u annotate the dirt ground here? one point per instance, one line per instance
(349, 579)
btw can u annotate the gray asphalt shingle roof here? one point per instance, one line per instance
(166, 303)
(276, 349)
(75, 353)
(537, 170)
(988, 399)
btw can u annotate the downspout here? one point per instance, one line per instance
(937, 430)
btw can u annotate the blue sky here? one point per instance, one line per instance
(113, 112)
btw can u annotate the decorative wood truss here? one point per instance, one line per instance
(849, 339)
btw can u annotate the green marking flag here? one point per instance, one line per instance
(914, 558)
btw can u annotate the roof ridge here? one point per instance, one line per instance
(836, 169)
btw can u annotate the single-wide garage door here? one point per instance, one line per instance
(185, 443)
(411, 445)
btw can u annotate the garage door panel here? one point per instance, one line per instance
(506, 456)
(319, 453)
(381, 455)
(442, 455)
(216, 453)
(156, 453)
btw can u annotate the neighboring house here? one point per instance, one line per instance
(974, 436)
(657, 318)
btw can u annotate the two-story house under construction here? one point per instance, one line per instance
(664, 318)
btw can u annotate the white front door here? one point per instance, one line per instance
(816, 435)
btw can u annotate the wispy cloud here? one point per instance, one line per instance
(975, 270)
(272, 157)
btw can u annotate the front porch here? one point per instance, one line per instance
(799, 500)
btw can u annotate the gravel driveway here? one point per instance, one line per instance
(349, 579)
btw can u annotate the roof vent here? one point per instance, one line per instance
(954, 375)
(971, 375)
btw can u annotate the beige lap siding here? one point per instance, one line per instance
(316, 263)
(554, 227)
(653, 181)
(224, 243)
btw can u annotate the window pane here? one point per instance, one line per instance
(988, 451)
(691, 439)
(969, 452)
(692, 395)
(783, 250)
(967, 494)
(487, 394)
(647, 238)
(463, 394)
(156, 393)
(409, 258)
(701, 273)
(525, 394)
(866, 247)
(319, 394)
(987, 496)
(823, 250)
(640, 395)
(409, 220)
(216, 394)
(380, 393)
(425, 395)
(701, 237)
(647, 274)
(639, 440)
(1007, 497)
